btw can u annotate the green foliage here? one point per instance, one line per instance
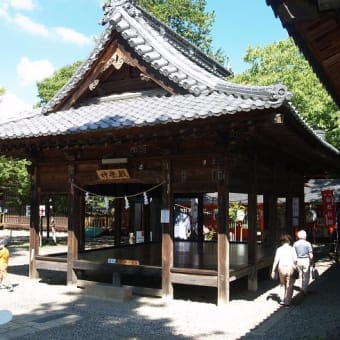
(282, 62)
(2, 91)
(97, 204)
(50, 86)
(15, 181)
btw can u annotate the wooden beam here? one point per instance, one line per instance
(51, 263)
(194, 279)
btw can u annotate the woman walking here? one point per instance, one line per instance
(284, 264)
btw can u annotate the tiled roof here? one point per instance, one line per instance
(141, 109)
(131, 110)
(167, 53)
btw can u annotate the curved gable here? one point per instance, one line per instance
(154, 54)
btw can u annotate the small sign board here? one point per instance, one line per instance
(113, 174)
(111, 260)
(42, 210)
(165, 216)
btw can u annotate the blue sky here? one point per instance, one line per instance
(40, 36)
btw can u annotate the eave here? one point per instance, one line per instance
(315, 28)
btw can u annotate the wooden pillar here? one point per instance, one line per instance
(200, 236)
(78, 219)
(146, 223)
(167, 219)
(34, 221)
(73, 220)
(223, 261)
(81, 231)
(270, 206)
(289, 215)
(252, 227)
(48, 216)
(301, 204)
(117, 217)
(252, 235)
(266, 237)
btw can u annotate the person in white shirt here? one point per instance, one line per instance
(284, 264)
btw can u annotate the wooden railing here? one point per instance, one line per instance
(21, 222)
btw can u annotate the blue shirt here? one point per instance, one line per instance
(303, 248)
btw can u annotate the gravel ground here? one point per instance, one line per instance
(315, 317)
(249, 315)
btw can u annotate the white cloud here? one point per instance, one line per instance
(71, 36)
(5, 6)
(30, 26)
(30, 72)
(65, 34)
(12, 107)
(22, 4)
(4, 11)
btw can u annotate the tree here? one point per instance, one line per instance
(14, 181)
(187, 17)
(50, 86)
(282, 62)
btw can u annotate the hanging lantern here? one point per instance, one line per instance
(86, 196)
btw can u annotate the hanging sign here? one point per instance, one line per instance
(113, 174)
(328, 208)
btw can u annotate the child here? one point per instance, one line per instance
(4, 257)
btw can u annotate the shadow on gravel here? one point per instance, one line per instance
(299, 305)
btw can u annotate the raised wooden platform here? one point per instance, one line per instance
(194, 263)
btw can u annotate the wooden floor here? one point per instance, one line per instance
(139, 265)
(198, 255)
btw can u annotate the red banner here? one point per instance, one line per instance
(329, 208)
